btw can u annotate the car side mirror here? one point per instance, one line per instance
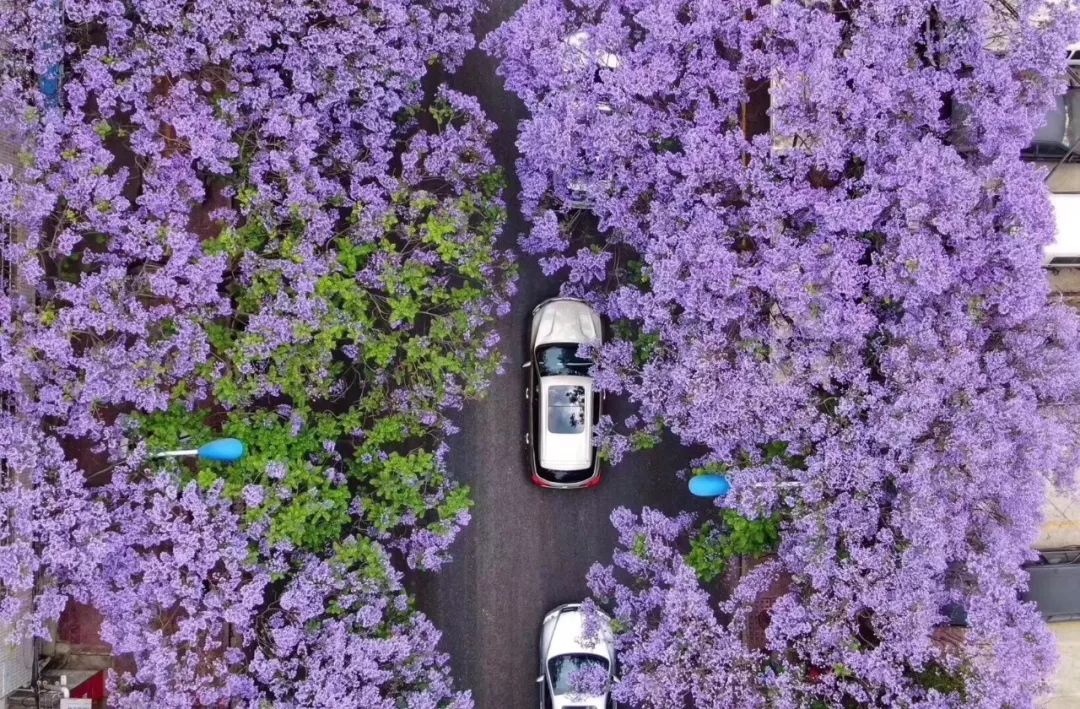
(540, 679)
(526, 365)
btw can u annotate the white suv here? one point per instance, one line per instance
(563, 404)
(563, 652)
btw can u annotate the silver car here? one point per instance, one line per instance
(564, 652)
(582, 54)
(563, 404)
(581, 193)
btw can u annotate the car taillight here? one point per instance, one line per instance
(594, 482)
(537, 480)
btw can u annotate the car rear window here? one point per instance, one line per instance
(566, 477)
(566, 409)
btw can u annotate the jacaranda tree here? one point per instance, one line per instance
(245, 219)
(850, 301)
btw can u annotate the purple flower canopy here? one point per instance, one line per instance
(849, 283)
(181, 126)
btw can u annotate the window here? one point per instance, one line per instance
(1058, 136)
(564, 667)
(561, 359)
(566, 409)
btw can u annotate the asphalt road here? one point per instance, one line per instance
(526, 549)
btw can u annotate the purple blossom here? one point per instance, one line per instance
(276, 470)
(589, 681)
(844, 280)
(183, 132)
(253, 495)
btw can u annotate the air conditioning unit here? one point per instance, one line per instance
(1065, 249)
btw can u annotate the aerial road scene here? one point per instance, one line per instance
(557, 354)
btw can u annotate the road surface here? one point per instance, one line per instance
(526, 549)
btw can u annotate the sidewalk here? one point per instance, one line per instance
(1067, 678)
(77, 633)
(15, 660)
(1062, 529)
(1062, 525)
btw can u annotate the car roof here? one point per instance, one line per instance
(565, 451)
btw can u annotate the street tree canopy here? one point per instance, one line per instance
(847, 300)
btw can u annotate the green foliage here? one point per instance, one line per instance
(398, 484)
(646, 344)
(934, 676)
(641, 547)
(312, 512)
(314, 518)
(634, 273)
(247, 197)
(713, 546)
(364, 555)
(48, 315)
(70, 268)
(414, 325)
(668, 145)
(235, 242)
(645, 347)
(366, 463)
(173, 427)
(491, 186)
(713, 469)
(644, 440)
(442, 112)
(353, 257)
(310, 509)
(708, 554)
(842, 671)
(774, 452)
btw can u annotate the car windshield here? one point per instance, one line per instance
(566, 409)
(561, 359)
(564, 667)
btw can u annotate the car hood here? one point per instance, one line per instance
(566, 322)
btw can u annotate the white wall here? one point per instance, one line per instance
(15, 663)
(1067, 678)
